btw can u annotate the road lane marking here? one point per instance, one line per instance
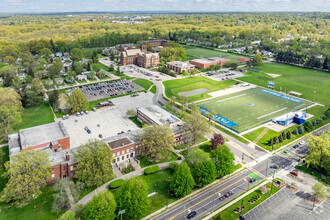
(207, 198)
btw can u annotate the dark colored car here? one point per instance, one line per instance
(192, 214)
(231, 192)
(295, 146)
(294, 173)
(274, 166)
(226, 195)
(252, 180)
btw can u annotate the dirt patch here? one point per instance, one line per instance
(273, 75)
(193, 92)
(37, 109)
(62, 100)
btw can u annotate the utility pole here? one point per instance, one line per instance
(121, 213)
(271, 189)
(266, 168)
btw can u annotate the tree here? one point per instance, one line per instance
(182, 182)
(319, 190)
(76, 54)
(169, 53)
(94, 163)
(102, 206)
(288, 135)
(27, 172)
(301, 129)
(280, 138)
(295, 131)
(234, 66)
(77, 67)
(283, 135)
(258, 59)
(194, 108)
(96, 67)
(78, 101)
(45, 52)
(10, 108)
(133, 198)
(68, 215)
(158, 141)
(196, 125)
(223, 159)
(319, 150)
(216, 141)
(8, 73)
(308, 126)
(131, 113)
(203, 172)
(67, 193)
(55, 69)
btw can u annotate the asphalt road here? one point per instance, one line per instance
(204, 203)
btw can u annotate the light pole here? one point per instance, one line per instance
(121, 213)
(240, 214)
(314, 95)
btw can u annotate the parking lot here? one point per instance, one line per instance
(107, 89)
(140, 72)
(107, 121)
(219, 76)
(286, 205)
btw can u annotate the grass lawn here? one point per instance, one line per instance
(143, 83)
(33, 116)
(144, 162)
(153, 89)
(194, 52)
(173, 87)
(134, 119)
(250, 108)
(183, 146)
(228, 213)
(293, 78)
(253, 134)
(155, 182)
(231, 134)
(39, 208)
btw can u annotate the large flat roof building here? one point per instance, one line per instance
(156, 115)
(206, 63)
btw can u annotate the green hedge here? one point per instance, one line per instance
(117, 183)
(151, 170)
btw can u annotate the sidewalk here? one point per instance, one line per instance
(135, 173)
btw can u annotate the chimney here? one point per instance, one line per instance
(67, 156)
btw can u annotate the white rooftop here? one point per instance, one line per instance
(159, 115)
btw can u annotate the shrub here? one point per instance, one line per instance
(116, 184)
(151, 170)
(301, 129)
(173, 166)
(295, 131)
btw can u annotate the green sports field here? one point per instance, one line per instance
(251, 108)
(198, 52)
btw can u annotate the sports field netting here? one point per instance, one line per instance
(250, 108)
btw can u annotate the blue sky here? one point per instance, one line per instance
(162, 5)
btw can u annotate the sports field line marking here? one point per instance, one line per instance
(299, 106)
(272, 113)
(231, 98)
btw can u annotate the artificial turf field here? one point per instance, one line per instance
(251, 108)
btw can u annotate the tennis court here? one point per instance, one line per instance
(250, 108)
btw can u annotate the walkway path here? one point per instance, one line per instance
(135, 173)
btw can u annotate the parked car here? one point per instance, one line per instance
(89, 131)
(252, 180)
(302, 142)
(296, 146)
(274, 166)
(222, 198)
(191, 214)
(294, 173)
(231, 192)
